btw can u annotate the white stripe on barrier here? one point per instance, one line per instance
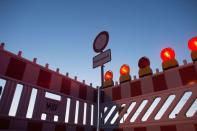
(85, 113)
(165, 107)
(76, 112)
(139, 110)
(151, 108)
(109, 114)
(53, 96)
(192, 110)
(116, 115)
(67, 110)
(132, 105)
(180, 105)
(31, 103)
(15, 100)
(92, 115)
(2, 85)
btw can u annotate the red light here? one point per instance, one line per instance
(192, 44)
(124, 69)
(167, 54)
(108, 75)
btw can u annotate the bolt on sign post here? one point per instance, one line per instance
(102, 58)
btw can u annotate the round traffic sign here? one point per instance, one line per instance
(101, 41)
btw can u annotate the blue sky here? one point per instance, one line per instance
(61, 33)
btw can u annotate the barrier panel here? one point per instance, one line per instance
(153, 102)
(34, 97)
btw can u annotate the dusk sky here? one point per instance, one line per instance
(61, 32)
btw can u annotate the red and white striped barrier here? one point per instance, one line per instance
(159, 102)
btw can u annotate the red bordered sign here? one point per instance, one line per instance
(101, 41)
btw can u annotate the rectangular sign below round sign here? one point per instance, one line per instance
(102, 58)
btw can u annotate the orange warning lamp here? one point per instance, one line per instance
(143, 62)
(108, 75)
(168, 58)
(108, 79)
(192, 45)
(124, 73)
(167, 54)
(124, 70)
(144, 65)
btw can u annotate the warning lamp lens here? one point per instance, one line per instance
(108, 75)
(124, 70)
(192, 44)
(143, 62)
(167, 54)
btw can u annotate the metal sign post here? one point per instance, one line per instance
(99, 45)
(1, 88)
